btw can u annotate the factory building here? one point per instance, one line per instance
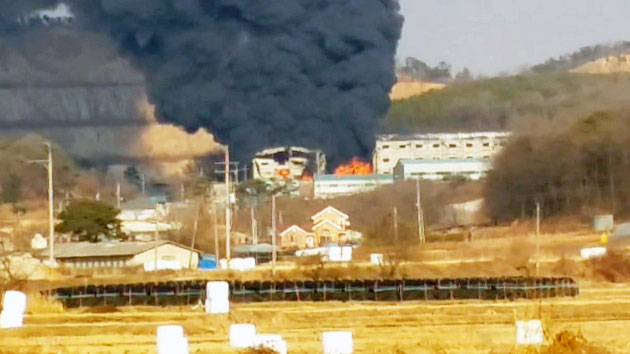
(331, 186)
(291, 162)
(470, 169)
(390, 149)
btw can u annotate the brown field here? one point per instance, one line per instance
(601, 314)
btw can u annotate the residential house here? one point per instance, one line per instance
(140, 218)
(330, 225)
(122, 254)
(295, 237)
(332, 214)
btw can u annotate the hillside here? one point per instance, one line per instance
(407, 88)
(517, 102)
(608, 65)
(83, 96)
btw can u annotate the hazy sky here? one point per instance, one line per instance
(493, 36)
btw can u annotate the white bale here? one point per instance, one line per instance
(242, 335)
(169, 332)
(173, 346)
(529, 332)
(338, 342)
(236, 264)
(271, 341)
(346, 254)
(218, 290)
(334, 254)
(171, 340)
(249, 263)
(217, 306)
(223, 263)
(11, 319)
(376, 259)
(594, 252)
(14, 301)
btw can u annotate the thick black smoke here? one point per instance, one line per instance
(258, 73)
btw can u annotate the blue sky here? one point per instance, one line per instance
(496, 36)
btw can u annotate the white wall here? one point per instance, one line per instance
(390, 149)
(167, 252)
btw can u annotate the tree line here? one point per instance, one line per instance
(582, 168)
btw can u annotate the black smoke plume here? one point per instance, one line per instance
(257, 73)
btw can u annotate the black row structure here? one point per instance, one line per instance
(177, 293)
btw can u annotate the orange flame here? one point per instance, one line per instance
(354, 167)
(284, 173)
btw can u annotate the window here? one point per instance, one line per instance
(419, 146)
(435, 146)
(486, 144)
(385, 147)
(402, 146)
(385, 160)
(452, 146)
(469, 145)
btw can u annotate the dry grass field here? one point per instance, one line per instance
(597, 321)
(601, 315)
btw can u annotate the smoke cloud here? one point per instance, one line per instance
(314, 73)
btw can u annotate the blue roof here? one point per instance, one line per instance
(432, 162)
(354, 178)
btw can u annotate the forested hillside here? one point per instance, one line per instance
(517, 102)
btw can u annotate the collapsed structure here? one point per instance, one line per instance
(289, 162)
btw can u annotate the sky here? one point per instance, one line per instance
(502, 36)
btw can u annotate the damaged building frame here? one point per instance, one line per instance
(291, 162)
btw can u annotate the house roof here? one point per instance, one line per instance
(622, 230)
(259, 248)
(105, 249)
(138, 204)
(327, 209)
(321, 223)
(295, 228)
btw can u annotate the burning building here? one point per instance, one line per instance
(353, 177)
(291, 162)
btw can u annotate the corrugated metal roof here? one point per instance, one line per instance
(440, 136)
(104, 249)
(354, 178)
(442, 161)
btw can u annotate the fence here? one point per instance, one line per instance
(191, 292)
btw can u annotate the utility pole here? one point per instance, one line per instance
(538, 239)
(228, 222)
(155, 239)
(118, 195)
(273, 234)
(48, 163)
(254, 226)
(396, 224)
(51, 221)
(194, 236)
(420, 214)
(216, 231)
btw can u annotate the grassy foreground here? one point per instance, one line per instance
(601, 315)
